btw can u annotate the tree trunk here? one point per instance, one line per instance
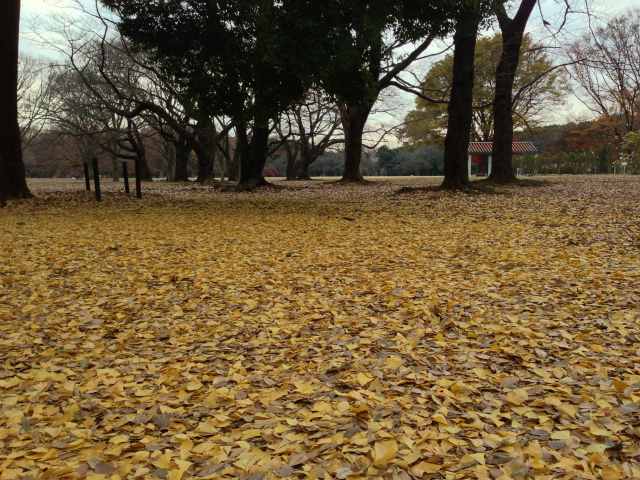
(208, 137)
(303, 168)
(143, 164)
(183, 153)
(169, 154)
(306, 159)
(145, 171)
(229, 164)
(115, 168)
(254, 160)
(13, 182)
(456, 150)
(137, 143)
(240, 151)
(291, 164)
(354, 117)
(512, 35)
(233, 167)
(503, 109)
(205, 165)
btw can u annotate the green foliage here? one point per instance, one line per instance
(570, 162)
(358, 36)
(427, 122)
(231, 55)
(404, 161)
(407, 161)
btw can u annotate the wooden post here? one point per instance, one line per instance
(125, 175)
(87, 179)
(138, 180)
(96, 179)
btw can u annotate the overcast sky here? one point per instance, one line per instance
(36, 12)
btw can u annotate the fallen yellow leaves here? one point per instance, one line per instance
(517, 397)
(437, 336)
(384, 452)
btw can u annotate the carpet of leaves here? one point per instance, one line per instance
(323, 332)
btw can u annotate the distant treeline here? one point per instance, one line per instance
(575, 148)
(387, 162)
(53, 155)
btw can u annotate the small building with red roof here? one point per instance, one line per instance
(481, 160)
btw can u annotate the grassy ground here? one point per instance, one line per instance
(322, 331)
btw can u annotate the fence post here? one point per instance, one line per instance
(87, 179)
(125, 175)
(96, 179)
(138, 180)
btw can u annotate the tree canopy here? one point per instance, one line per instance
(246, 60)
(534, 92)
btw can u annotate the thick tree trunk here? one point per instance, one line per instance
(354, 117)
(233, 168)
(205, 165)
(169, 154)
(456, 154)
(206, 157)
(145, 171)
(115, 168)
(13, 182)
(229, 164)
(254, 160)
(305, 160)
(240, 152)
(303, 168)
(183, 153)
(503, 170)
(512, 35)
(291, 165)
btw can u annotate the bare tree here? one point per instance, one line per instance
(34, 90)
(307, 130)
(607, 71)
(75, 111)
(71, 112)
(127, 83)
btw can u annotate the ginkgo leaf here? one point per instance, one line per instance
(517, 396)
(567, 409)
(393, 362)
(364, 379)
(143, 392)
(561, 435)
(119, 439)
(384, 452)
(193, 386)
(163, 461)
(423, 468)
(304, 388)
(178, 472)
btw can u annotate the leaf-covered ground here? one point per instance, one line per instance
(325, 332)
